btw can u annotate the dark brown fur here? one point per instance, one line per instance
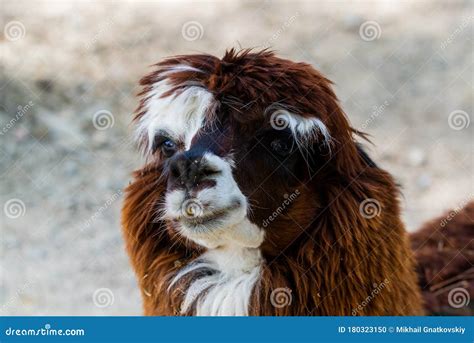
(322, 248)
(444, 250)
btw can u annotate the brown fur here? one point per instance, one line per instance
(322, 248)
(444, 250)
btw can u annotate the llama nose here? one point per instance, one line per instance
(188, 169)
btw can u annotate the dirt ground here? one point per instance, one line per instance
(68, 79)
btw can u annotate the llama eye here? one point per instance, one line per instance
(281, 147)
(168, 147)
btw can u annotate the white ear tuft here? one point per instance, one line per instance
(305, 130)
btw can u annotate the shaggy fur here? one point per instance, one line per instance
(444, 250)
(321, 248)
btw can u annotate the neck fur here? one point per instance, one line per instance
(222, 281)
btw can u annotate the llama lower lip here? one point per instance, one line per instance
(211, 217)
(206, 219)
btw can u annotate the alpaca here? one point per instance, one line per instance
(255, 198)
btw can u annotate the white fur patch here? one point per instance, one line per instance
(181, 115)
(178, 68)
(303, 129)
(227, 291)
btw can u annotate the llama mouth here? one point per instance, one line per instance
(217, 216)
(209, 219)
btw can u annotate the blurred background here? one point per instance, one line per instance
(68, 81)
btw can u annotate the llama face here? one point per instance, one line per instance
(239, 157)
(226, 179)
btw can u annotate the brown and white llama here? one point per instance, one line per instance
(255, 198)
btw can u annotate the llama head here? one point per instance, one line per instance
(245, 145)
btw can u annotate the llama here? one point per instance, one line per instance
(255, 198)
